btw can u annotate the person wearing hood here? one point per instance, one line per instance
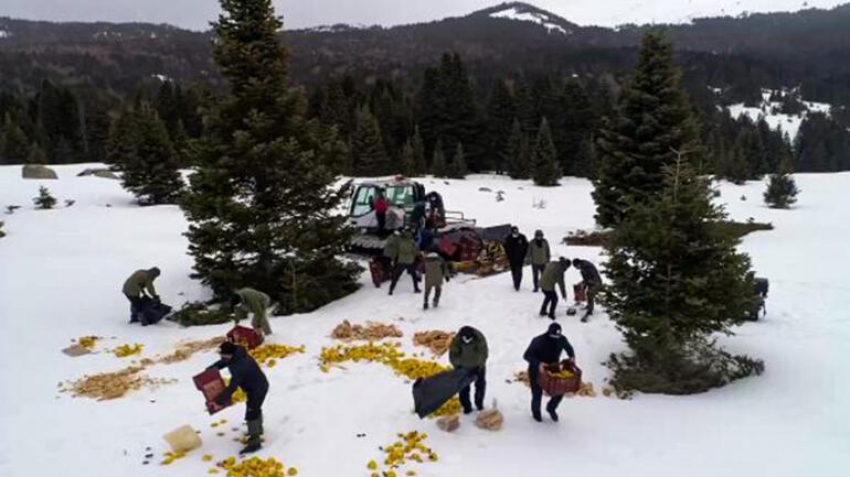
(436, 270)
(246, 374)
(516, 248)
(543, 351)
(538, 251)
(553, 274)
(469, 350)
(404, 258)
(138, 289)
(592, 283)
(248, 300)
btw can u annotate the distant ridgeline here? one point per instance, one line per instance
(62, 85)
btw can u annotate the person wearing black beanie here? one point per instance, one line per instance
(245, 373)
(546, 350)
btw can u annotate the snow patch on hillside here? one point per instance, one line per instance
(770, 111)
(619, 12)
(5, 33)
(540, 18)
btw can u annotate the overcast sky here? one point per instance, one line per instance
(196, 14)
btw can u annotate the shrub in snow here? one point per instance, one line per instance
(781, 190)
(44, 199)
(197, 314)
(538, 204)
(2, 234)
(675, 279)
(10, 209)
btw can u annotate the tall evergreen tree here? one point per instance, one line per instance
(577, 123)
(458, 167)
(420, 163)
(653, 119)
(97, 125)
(260, 206)
(676, 279)
(36, 155)
(781, 190)
(439, 168)
(501, 113)
(408, 161)
(546, 171)
(518, 153)
(368, 156)
(14, 141)
(140, 149)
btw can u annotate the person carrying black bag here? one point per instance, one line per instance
(468, 350)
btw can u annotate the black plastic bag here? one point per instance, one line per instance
(431, 393)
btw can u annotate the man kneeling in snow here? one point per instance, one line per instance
(139, 289)
(245, 373)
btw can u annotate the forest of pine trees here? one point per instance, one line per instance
(495, 122)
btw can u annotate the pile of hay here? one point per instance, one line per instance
(372, 331)
(185, 351)
(437, 341)
(106, 386)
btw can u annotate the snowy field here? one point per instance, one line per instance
(61, 273)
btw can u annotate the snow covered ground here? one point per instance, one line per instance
(770, 111)
(60, 277)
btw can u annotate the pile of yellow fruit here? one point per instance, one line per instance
(389, 355)
(255, 467)
(88, 342)
(563, 374)
(409, 447)
(171, 457)
(385, 353)
(238, 396)
(125, 351)
(267, 354)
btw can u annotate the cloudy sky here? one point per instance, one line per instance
(196, 14)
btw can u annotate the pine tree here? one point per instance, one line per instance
(501, 113)
(368, 156)
(97, 132)
(420, 163)
(457, 168)
(438, 163)
(15, 143)
(675, 279)
(44, 200)
(408, 162)
(577, 123)
(781, 190)
(518, 153)
(653, 119)
(546, 171)
(261, 203)
(139, 148)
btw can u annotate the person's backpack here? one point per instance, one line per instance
(762, 287)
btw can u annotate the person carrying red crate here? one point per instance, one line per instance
(245, 373)
(545, 350)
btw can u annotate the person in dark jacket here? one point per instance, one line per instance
(469, 350)
(516, 248)
(245, 373)
(140, 290)
(553, 275)
(546, 350)
(538, 251)
(592, 283)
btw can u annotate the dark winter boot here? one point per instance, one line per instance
(255, 432)
(552, 413)
(543, 311)
(425, 306)
(585, 318)
(537, 417)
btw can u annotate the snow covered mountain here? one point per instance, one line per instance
(614, 13)
(529, 13)
(775, 111)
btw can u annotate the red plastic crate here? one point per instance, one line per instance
(211, 384)
(247, 337)
(553, 386)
